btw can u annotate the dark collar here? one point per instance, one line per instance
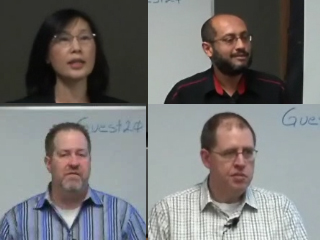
(247, 83)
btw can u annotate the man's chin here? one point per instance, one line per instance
(238, 71)
(72, 186)
(232, 69)
(234, 72)
(241, 66)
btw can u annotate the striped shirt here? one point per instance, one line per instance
(192, 215)
(101, 217)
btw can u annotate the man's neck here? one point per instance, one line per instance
(71, 93)
(221, 195)
(228, 83)
(67, 200)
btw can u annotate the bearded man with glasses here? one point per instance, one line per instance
(227, 42)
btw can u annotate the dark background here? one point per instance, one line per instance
(263, 20)
(294, 69)
(123, 25)
(277, 27)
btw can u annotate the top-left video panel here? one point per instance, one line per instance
(74, 52)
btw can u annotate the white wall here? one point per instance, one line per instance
(118, 156)
(287, 162)
(174, 43)
(311, 83)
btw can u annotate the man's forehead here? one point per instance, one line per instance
(69, 132)
(66, 149)
(229, 124)
(228, 24)
(64, 137)
(230, 128)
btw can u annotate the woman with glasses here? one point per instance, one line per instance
(67, 63)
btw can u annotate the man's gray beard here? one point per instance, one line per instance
(72, 185)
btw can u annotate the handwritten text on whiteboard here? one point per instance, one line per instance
(292, 119)
(119, 126)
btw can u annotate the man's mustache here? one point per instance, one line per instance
(240, 53)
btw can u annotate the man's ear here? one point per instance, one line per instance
(206, 158)
(48, 161)
(208, 49)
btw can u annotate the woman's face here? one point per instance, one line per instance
(72, 52)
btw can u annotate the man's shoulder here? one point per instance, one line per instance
(107, 199)
(193, 80)
(190, 86)
(264, 78)
(265, 197)
(180, 198)
(31, 202)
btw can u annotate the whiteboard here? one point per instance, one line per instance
(174, 43)
(118, 136)
(287, 162)
(311, 52)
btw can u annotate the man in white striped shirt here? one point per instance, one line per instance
(225, 206)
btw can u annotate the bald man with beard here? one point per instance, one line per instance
(228, 43)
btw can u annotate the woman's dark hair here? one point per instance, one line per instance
(40, 76)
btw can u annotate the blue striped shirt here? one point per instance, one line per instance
(101, 217)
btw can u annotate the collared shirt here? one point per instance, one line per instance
(101, 217)
(68, 215)
(191, 215)
(204, 88)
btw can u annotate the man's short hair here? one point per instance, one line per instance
(209, 131)
(67, 126)
(208, 33)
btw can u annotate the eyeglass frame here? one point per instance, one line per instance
(236, 152)
(235, 39)
(73, 37)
